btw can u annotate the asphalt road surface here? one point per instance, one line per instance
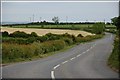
(86, 60)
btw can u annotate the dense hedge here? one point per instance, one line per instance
(87, 38)
(113, 60)
(34, 38)
(114, 31)
(19, 34)
(13, 52)
(98, 28)
(18, 48)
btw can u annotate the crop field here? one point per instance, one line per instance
(64, 26)
(41, 32)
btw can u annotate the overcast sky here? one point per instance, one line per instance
(75, 11)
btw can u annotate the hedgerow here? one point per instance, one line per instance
(13, 52)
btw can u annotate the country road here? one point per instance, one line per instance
(86, 60)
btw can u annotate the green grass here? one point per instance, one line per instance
(40, 56)
(113, 60)
(75, 26)
(17, 53)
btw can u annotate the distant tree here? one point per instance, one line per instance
(98, 28)
(116, 22)
(56, 20)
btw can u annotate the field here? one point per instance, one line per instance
(16, 47)
(41, 32)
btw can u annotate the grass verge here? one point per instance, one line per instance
(18, 53)
(113, 60)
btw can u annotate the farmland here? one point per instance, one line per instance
(24, 42)
(42, 32)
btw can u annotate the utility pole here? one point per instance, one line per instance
(30, 19)
(40, 19)
(95, 21)
(33, 17)
(66, 19)
(104, 20)
(86, 21)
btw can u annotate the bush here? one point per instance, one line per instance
(68, 41)
(113, 59)
(52, 36)
(13, 52)
(87, 38)
(5, 34)
(14, 40)
(98, 28)
(19, 34)
(33, 34)
(31, 40)
(55, 45)
(114, 31)
(42, 38)
(80, 35)
(69, 36)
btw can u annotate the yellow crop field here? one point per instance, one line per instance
(41, 32)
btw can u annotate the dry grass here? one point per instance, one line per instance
(41, 32)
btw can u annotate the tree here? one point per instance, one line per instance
(56, 20)
(98, 28)
(116, 22)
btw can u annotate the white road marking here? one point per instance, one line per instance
(88, 50)
(83, 52)
(56, 66)
(79, 55)
(72, 58)
(64, 62)
(52, 75)
(52, 72)
(91, 47)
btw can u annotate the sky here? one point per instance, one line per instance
(66, 11)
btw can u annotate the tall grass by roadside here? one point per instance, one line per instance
(113, 60)
(13, 52)
(16, 52)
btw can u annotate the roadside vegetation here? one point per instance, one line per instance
(114, 59)
(17, 49)
(21, 46)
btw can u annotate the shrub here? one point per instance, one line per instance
(12, 52)
(68, 41)
(55, 45)
(52, 36)
(33, 34)
(42, 38)
(113, 59)
(38, 48)
(31, 40)
(98, 28)
(69, 36)
(80, 35)
(19, 34)
(5, 34)
(14, 40)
